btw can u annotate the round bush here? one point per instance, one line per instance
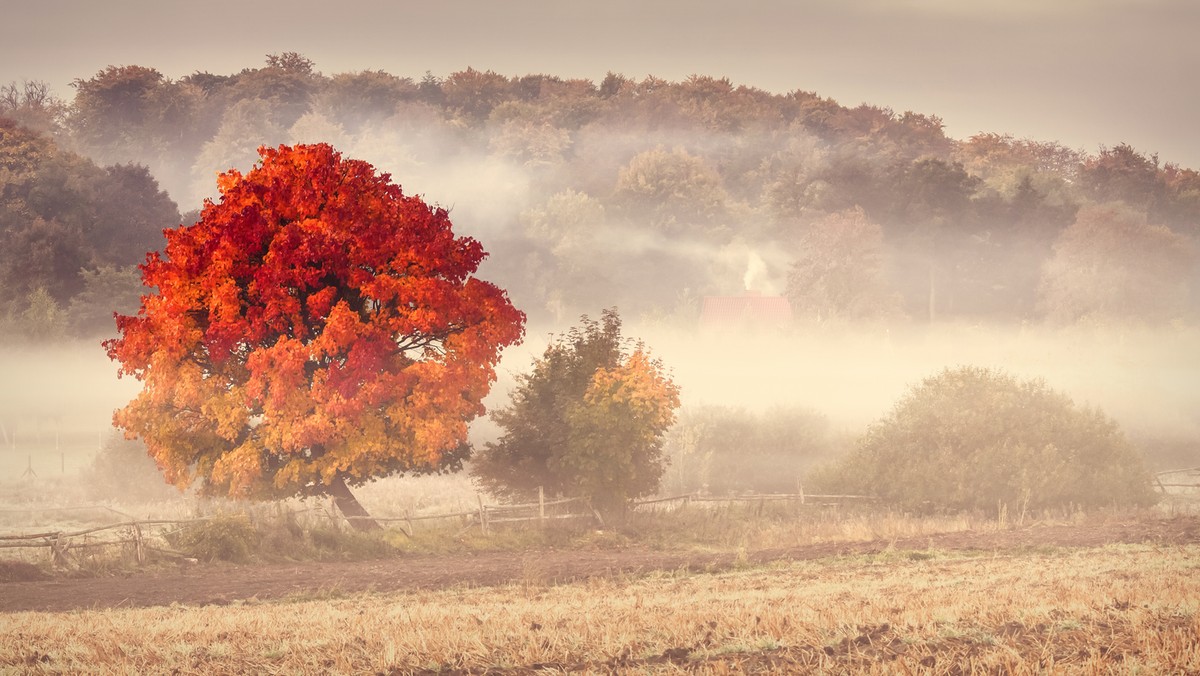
(974, 438)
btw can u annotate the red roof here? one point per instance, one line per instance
(748, 311)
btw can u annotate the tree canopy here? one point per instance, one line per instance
(681, 169)
(315, 328)
(975, 438)
(588, 421)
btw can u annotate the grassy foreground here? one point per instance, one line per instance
(1117, 609)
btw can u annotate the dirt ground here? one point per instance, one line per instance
(221, 584)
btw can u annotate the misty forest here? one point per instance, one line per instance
(796, 263)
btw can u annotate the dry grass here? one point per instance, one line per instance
(1121, 609)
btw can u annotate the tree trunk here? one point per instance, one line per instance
(349, 506)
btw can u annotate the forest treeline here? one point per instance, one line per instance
(644, 194)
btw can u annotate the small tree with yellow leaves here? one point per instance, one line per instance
(589, 421)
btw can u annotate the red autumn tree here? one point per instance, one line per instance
(315, 329)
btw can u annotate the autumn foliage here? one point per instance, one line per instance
(315, 328)
(589, 421)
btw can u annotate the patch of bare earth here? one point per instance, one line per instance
(221, 584)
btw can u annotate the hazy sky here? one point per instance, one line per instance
(1083, 72)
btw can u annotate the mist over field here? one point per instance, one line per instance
(901, 251)
(60, 398)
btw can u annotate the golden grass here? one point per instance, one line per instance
(1119, 609)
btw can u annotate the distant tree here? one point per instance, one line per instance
(1123, 174)
(532, 145)
(114, 106)
(726, 450)
(60, 215)
(675, 189)
(354, 99)
(245, 126)
(131, 214)
(32, 105)
(615, 84)
(568, 221)
(315, 329)
(42, 256)
(569, 267)
(1182, 206)
(789, 191)
(932, 211)
(135, 114)
(1111, 265)
(317, 128)
(291, 62)
(42, 319)
(986, 154)
(916, 135)
(288, 84)
(107, 291)
(838, 271)
(123, 470)
(473, 94)
(430, 90)
(972, 438)
(588, 421)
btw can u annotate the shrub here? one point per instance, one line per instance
(123, 470)
(724, 450)
(224, 537)
(588, 421)
(971, 438)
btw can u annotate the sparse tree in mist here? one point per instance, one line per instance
(971, 438)
(724, 450)
(32, 105)
(135, 114)
(315, 329)
(931, 203)
(43, 319)
(533, 145)
(588, 421)
(1123, 174)
(131, 212)
(124, 471)
(317, 128)
(1111, 265)
(473, 94)
(288, 83)
(107, 290)
(62, 216)
(675, 190)
(568, 267)
(838, 271)
(355, 99)
(245, 127)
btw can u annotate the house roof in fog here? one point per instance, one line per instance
(747, 311)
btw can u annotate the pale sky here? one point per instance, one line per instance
(1085, 73)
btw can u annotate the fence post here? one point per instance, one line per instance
(58, 550)
(482, 514)
(139, 552)
(541, 507)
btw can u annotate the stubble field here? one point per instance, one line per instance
(1113, 595)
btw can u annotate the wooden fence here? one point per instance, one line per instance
(60, 543)
(145, 535)
(1179, 483)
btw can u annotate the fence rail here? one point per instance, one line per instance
(139, 531)
(1178, 479)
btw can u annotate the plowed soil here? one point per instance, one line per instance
(203, 584)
